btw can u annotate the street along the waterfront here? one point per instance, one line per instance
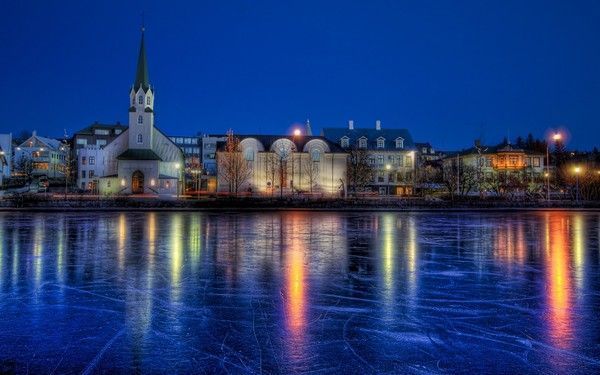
(280, 292)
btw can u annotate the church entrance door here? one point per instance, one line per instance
(137, 182)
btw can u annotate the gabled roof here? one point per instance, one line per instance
(335, 134)
(500, 148)
(138, 154)
(49, 142)
(89, 130)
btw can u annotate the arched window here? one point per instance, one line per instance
(141, 99)
(139, 138)
(148, 100)
(140, 119)
(249, 154)
(315, 155)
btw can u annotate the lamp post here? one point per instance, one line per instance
(296, 134)
(555, 137)
(577, 171)
(177, 167)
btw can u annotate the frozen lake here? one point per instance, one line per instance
(300, 292)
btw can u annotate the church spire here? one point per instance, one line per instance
(141, 75)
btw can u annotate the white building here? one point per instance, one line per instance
(141, 160)
(90, 167)
(5, 157)
(282, 165)
(47, 156)
(391, 155)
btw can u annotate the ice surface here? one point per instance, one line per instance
(295, 292)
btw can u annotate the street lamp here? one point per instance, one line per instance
(555, 137)
(577, 172)
(177, 167)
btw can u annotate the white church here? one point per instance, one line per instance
(141, 160)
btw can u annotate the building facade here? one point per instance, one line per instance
(141, 160)
(41, 157)
(191, 146)
(391, 155)
(286, 165)
(498, 169)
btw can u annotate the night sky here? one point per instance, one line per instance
(448, 71)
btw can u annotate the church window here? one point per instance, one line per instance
(140, 119)
(139, 138)
(148, 100)
(141, 99)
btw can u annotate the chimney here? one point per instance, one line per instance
(378, 125)
(351, 125)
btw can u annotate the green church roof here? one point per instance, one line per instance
(141, 74)
(138, 154)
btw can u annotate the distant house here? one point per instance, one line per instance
(47, 155)
(392, 155)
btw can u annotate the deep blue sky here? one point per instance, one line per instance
(448, 71)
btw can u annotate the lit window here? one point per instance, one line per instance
(141, 99)
(139, 138)
(140, 119)
(249, 155)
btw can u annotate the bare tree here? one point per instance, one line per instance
(234, 169)
(24, 168)
(311, 174)
(462, 181)
(359, 170)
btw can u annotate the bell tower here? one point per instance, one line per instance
(141, 105)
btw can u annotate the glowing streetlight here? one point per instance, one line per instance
(388, 167)
(577, 172)
(556, 137)
(297, 132)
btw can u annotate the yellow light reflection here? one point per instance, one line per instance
(1, 250)
(559, 287)
(60, 250)
(176, 254)
(579, 246)
(412, 258)
(295, 285)
(122, 236)
(388, 258)
(195, 241)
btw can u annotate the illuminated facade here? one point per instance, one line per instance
(47, 156)
(282, 165)
(391, 152)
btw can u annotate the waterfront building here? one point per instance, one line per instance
(391, 155)
(286, 165)
(41, 156)
(141, 159)
(498, 169)
(6, 151)
(191, 146)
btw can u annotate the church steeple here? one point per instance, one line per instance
(141, 75)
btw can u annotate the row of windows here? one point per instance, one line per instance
(90, 174)
(185, 141)
(191, 150)
(141, 100)
(399, 160)
(362, 142)
(83, 142)
(91, 160)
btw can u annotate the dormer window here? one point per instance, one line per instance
(362, 143)
(139, 138)
(148, 100)
(399, 143)
(344, 142)
(140, 119)
(141, 99)
(380, 142)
